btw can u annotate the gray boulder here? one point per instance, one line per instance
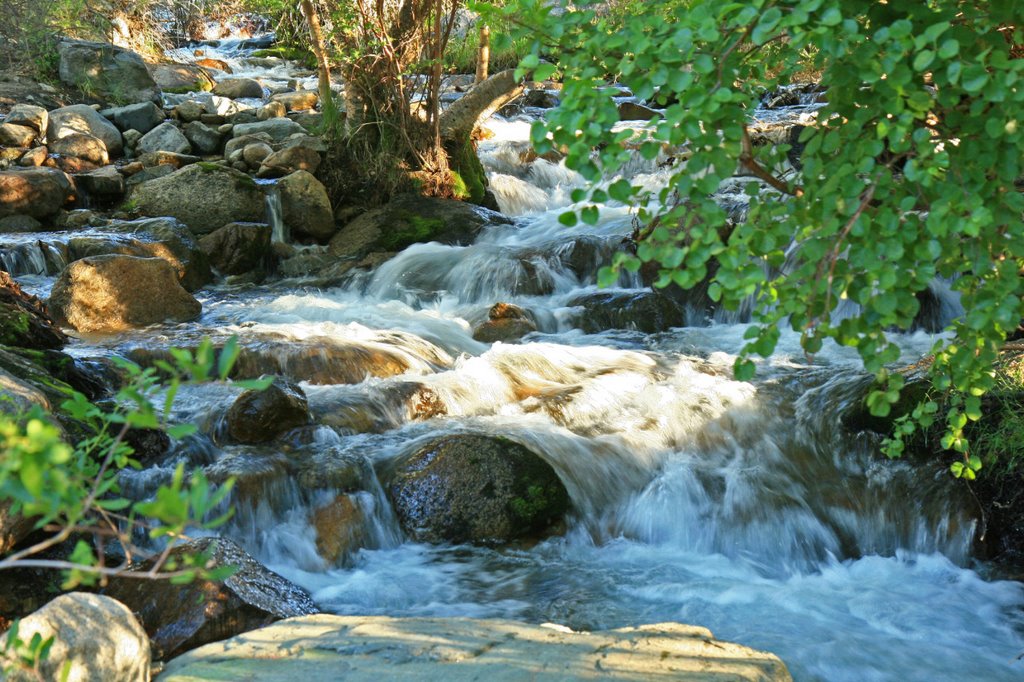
(475, 488)
(204, 196)
(143, 116)
(204, 139)
(166, 137)
(239, 88)
(305, 206)
(81, 146)
(95, 637)
(37, 192)
(114, 293)
(112, 72)
(79, 118)
(103, 182)
(181, 77)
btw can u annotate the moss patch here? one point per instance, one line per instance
(411, 229)
(293, 54)
(469, 180)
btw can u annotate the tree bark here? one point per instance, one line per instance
(483, 55)
(320, 51)
(462, 118)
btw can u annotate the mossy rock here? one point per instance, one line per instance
(479, 489)
(410, 219)
(468, 174)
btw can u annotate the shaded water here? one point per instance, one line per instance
(746, 507)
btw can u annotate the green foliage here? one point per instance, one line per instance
(909, 173)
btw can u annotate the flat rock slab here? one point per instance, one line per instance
(370, 649)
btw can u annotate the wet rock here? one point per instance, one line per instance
(13, 527)
(164, 238)
(113, 293)
(143, 116)
(24, 321)
(335, 468)
(643, 311)
(475, 488)
(166, 137)
(305, 207)
(19, 223)
(373, 648)
(181, 617)
(204, 139)
(409, 219)
(94, 638)
(279, 129)
(261, 416)
(102, 182)
(37, 192)
(340, 528)
(297, 101)
(505, 322)
(81, 146)
(238, 248)
(632, 111)
(79, 118)
(14, 135)
(181, 77)
(203, 196)
(239, 88)
(287, 161)
(112, 72)
(30, 115)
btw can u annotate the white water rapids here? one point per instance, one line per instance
(744, 507)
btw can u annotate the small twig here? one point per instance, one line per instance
(751, 164)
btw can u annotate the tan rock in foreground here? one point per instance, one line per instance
(112, 293)
(370, 649)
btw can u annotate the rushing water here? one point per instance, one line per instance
(746, 507)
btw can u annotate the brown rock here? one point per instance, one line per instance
(340, 528)
(81, 146)
(28, 115)
(38, 192)
(34, 157)
(297, 101)
(506, 322)
(214, 64)
(261, 416)
(306, 207)
(238, 248)
(113, 293)
(631, 111)
(14, 135)
(289, 160)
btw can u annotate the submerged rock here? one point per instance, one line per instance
(182, 617)
(94, 638)
(475, 488)
(261, 416)
(374, 648)
(113, 293)
(340, 528)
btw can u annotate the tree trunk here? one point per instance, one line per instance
(462, 118)
(483, 55)
(320, 51)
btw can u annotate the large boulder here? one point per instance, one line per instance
(94, 638)
(645, 311)
(79, 118)
(373, 648)
(204, 196)
(80, 146)
(164, 238)
(261, 416)
(289, 160)
(239, 88)
(409, 219)
(14, 135)
(475, 488)
(112, 293)
(182, 617)
(143, 116)
(238, 248)
(36, 191)
(305, 207)
(105, 182)
(166, 137)
(112, 72)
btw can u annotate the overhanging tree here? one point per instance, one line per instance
(911, 172)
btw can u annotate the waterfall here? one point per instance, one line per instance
(275, 215)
